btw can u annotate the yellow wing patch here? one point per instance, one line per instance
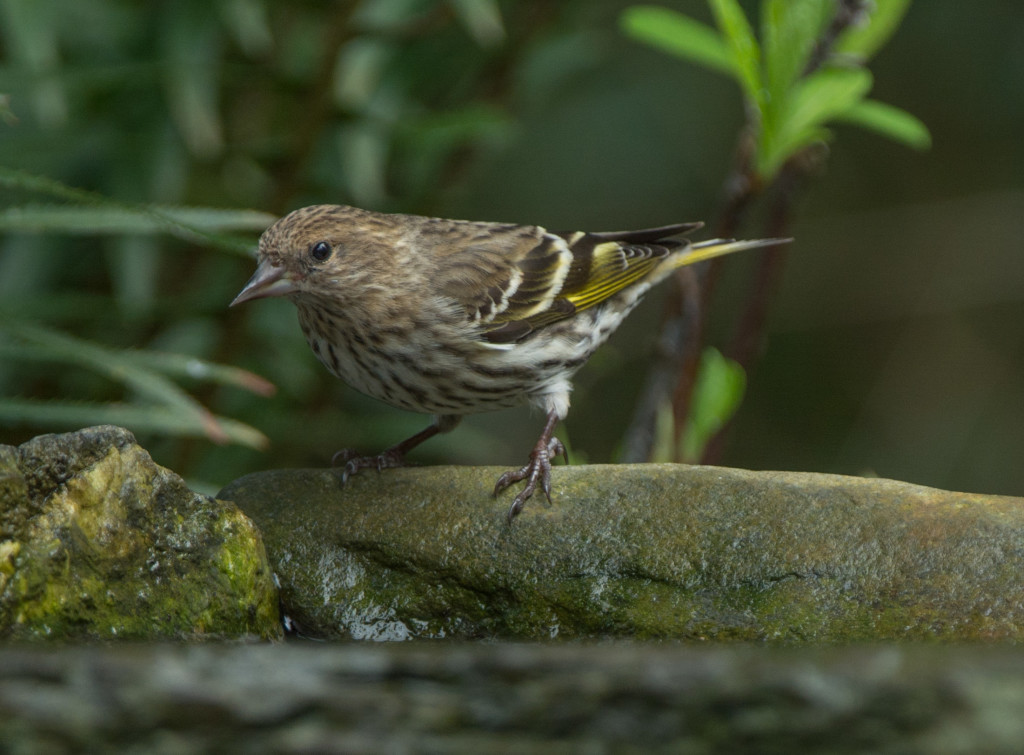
(613, 268)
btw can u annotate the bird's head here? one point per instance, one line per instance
(321, 249)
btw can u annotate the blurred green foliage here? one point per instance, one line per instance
(525, 111)
(790, 104)
(717, 395)
(805, 71)
(234, 103)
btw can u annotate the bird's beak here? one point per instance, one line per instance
(268, 280)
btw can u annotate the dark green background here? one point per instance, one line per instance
(895, 344)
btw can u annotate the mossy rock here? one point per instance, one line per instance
(639, 551)
(97, 541)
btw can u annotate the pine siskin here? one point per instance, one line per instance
(452, 317)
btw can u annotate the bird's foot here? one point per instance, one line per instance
(537, 471)
(392, 457)
(351, 462)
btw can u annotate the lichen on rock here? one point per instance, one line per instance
(98, 541)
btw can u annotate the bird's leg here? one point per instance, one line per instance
(394, 456)
(538, 470)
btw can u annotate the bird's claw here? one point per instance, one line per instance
(343, 457)
(352, 462)
(538, 470)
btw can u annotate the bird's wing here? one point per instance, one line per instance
(517, 279)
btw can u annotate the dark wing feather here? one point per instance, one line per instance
(513, 280)
(645, 235)
(479, 265)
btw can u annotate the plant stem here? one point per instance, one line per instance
(674, 369)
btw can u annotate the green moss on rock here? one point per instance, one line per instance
(97, 541)
(640, 551)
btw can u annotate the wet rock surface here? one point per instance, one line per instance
(639, 552)
(98, 542)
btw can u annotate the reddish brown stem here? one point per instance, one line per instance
(674, 371)
(749, 340)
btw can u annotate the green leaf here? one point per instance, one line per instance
(108, 220)
(31, 41)
(167, 219)
(813, 101)
(717, 395)
(185, 365)
(864, 39)
(482, 18)
(678, 35)
(890, 121)
(790, 29)
(248, 22)
(826, 94)
(167, 409)
(744, 50)
(138, 418)
(358, 70)
(40, 343)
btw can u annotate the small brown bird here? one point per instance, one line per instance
(453, 317)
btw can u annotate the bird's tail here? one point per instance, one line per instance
(706, 250)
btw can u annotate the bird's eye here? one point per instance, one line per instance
(320, 251)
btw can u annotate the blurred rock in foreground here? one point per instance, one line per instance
(645, 551)
(98, 542)
(495, 698)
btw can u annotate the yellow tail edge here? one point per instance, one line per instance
(706, 250)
